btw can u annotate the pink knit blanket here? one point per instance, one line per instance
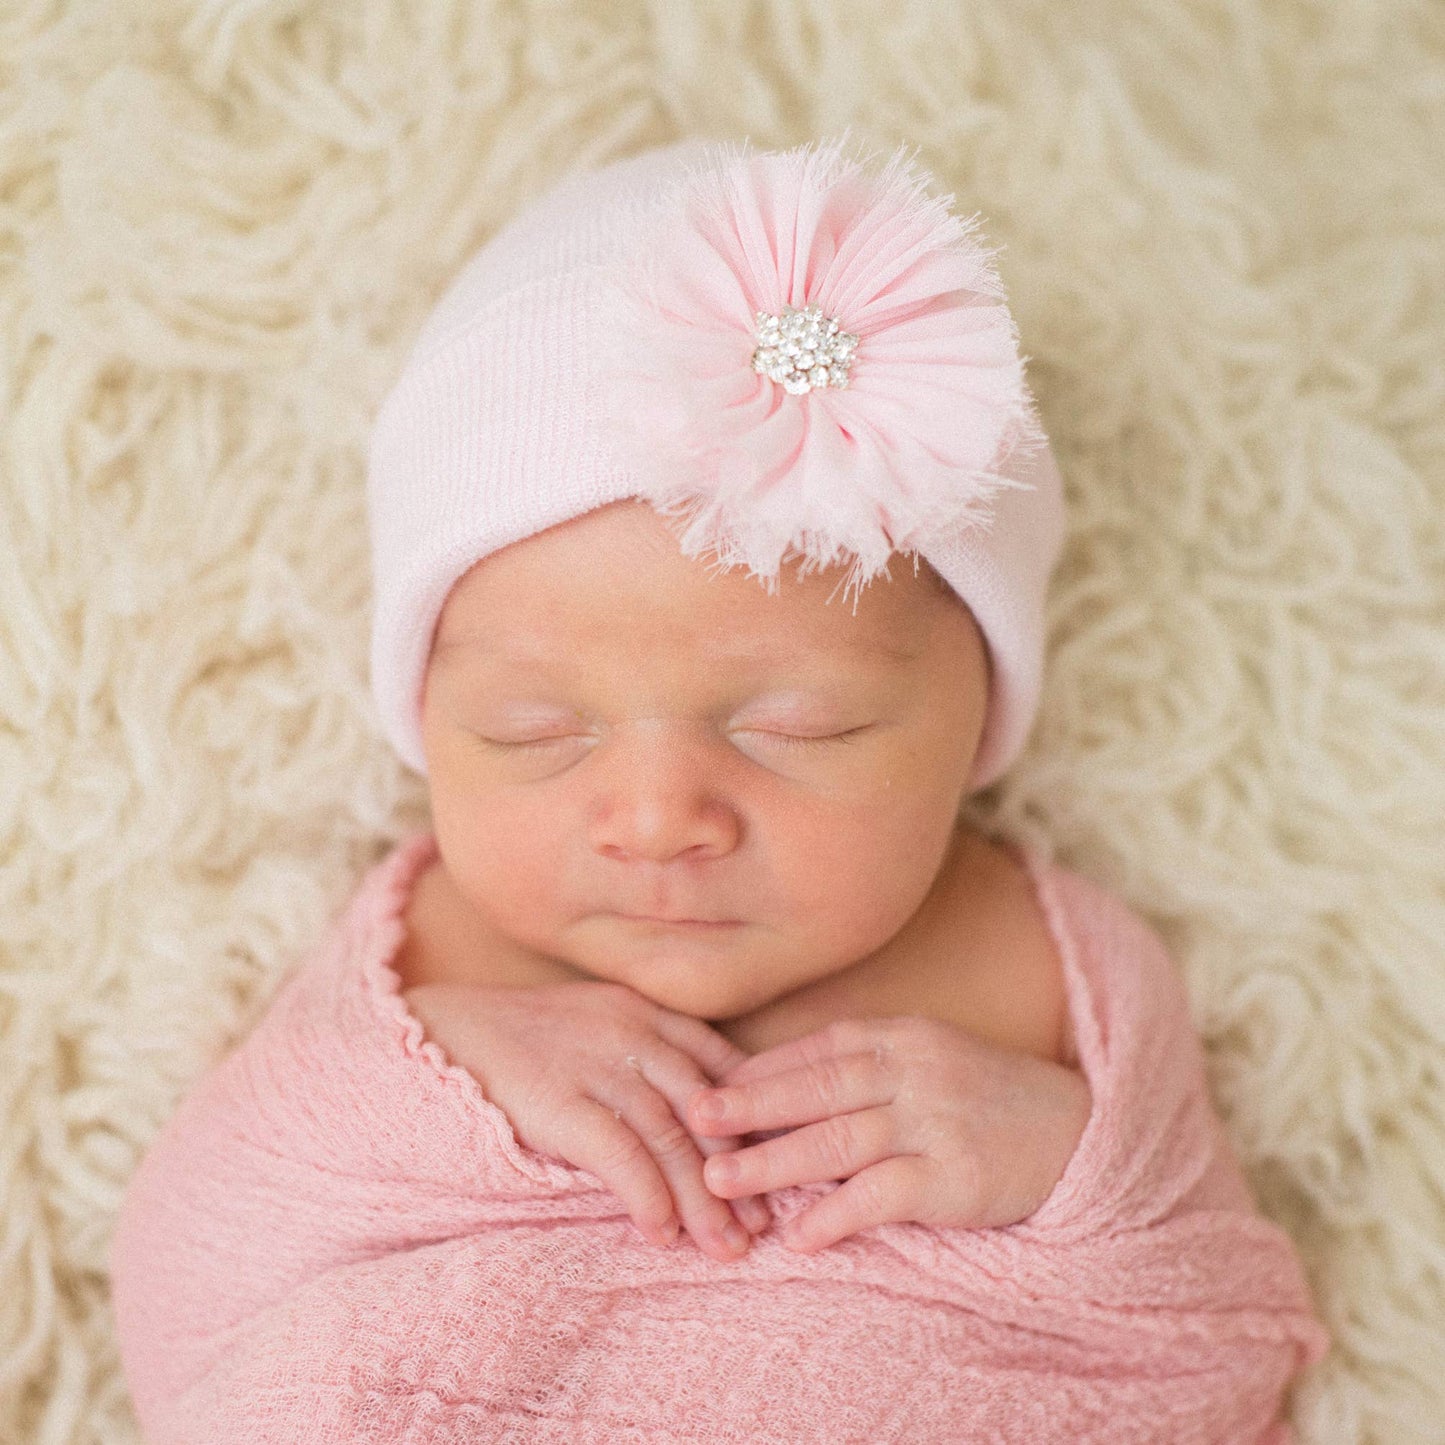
(338, 1238)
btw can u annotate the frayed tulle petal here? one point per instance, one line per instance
(935, 399)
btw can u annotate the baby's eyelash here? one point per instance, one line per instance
(523, 743)
(790, 740)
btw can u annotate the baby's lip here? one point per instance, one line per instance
(680, 922)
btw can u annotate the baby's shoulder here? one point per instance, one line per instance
(1018, 989)
(444, 940)
(422, 955)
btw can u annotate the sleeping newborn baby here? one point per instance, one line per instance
(742, 808)
(701, 1074)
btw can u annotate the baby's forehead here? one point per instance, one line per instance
(724, 637)
(617, 580)
(848, 651)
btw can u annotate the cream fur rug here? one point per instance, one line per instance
(220, 225)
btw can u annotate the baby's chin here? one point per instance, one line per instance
(715, 978)
(713, 1000)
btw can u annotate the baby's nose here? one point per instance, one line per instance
(661, 792)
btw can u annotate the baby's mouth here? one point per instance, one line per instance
(703, 924)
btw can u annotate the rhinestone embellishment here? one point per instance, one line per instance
(802, 349)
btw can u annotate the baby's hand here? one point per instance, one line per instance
(922, 1120)
(596, 1075)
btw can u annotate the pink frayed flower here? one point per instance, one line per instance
(859, 450)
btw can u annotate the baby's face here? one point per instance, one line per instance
(614, 734)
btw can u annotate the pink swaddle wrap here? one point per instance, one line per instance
(338, 1238)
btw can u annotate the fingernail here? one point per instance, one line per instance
(711, 1107)
(721, 1169)
(736, 1236)
(670, 1232)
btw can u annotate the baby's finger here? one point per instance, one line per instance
(836, 1148)
(611, 1149)
(752, 1209)
(874, 1036)
(887, 1193)
(708, 1219)
(714, 1053)
(838, 1084)
(677, 1075)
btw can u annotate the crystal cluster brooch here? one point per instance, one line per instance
(802, 349)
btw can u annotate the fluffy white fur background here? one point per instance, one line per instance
(1223, 225)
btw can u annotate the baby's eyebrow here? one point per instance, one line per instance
(872, 646)
(488, 646)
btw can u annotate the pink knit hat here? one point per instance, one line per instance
(800, 355)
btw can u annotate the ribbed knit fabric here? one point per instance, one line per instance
(338, 1238)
